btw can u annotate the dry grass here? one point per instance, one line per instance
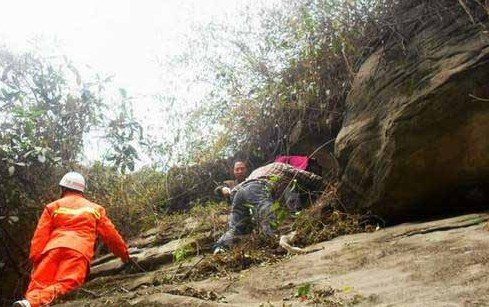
(324, 220)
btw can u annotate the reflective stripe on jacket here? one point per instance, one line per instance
(74, 222)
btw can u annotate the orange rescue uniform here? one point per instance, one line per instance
(63, 244)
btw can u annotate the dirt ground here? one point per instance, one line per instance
(439, 263)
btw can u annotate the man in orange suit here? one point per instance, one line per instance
(63, 243)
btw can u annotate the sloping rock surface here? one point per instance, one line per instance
(438, 263)
(145, 257)
(415, 132)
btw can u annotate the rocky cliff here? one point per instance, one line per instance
(415, 136)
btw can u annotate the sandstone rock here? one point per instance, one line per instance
(165, 299)
(413, 134)
(436, 263)
(147, 258)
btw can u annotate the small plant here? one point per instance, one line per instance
(181, 254)
(303, 291)
(274, 179)
(280, 214)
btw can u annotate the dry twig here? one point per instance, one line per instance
(467, 10)
(479, 98)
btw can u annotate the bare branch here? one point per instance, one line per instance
(479, 98)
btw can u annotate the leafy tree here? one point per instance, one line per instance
(46, 112)
(46, 109)
(124, 133)
(271, 69)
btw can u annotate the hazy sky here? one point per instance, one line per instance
(120, 37)
(123, 38)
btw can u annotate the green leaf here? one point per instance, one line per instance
(181, 253)
(303, 291)
(274, 178)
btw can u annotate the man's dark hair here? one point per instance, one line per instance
(65, 189)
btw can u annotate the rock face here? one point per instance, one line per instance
(146, 258)
(437, 263)
(416, 128)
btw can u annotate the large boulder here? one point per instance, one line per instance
(416, 128)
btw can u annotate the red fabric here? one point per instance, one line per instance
(74, 222)
(58, 272)
(299, 162)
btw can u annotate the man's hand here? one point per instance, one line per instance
(132, 264)
(222, 191)
(226, 191)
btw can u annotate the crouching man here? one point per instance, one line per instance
(63, 243)
(258, 192)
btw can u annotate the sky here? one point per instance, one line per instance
(119, 37)
(124, 38)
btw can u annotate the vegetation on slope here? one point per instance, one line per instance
(286, 78)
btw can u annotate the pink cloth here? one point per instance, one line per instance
(299, 162)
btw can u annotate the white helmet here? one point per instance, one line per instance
(74, 181)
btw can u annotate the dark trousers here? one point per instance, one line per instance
(252, 200)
